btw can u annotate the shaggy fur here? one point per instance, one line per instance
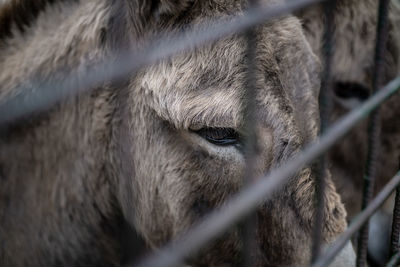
(123, 156)
(354, 44)
(353, 63)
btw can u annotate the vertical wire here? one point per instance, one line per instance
(373, 129)
(250, 223)
(325, 105)
(394, 240)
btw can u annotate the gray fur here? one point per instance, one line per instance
(354, 45)
(71, 176)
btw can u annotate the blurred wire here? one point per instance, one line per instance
(36, 95)
(360, 219)
(218, 221)
(373, 128)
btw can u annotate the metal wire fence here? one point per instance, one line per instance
(30, 100)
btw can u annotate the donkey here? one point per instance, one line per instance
(141, 159)
(352, 69)
(353, 63)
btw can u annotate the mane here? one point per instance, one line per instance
(19, 14)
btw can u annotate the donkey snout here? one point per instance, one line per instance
(346, 258)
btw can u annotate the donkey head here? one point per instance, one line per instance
(185, 126)
(165, 145)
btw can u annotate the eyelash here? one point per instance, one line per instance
(219, 136)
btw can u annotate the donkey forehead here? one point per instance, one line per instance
(206, 86)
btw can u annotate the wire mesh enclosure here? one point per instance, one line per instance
(242, 208)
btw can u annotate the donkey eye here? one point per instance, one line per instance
(219, 136)
(347, 90)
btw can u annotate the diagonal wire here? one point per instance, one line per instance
(360, 219)
(37, 95)
(394, 261)
(31, 100)
(218, 221)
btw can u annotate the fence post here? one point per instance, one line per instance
(373, 128)
(394, 240)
